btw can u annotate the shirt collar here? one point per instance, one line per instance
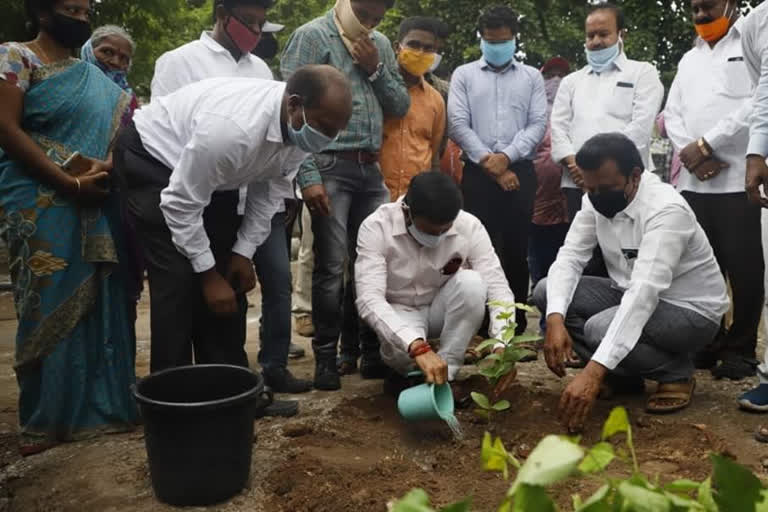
(619, 62)
(633, 209)
(207, 39)
(484, 65)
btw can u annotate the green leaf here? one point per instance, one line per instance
(507, 334)
(617, 422)
(501, 405)
(525, 307)
(494, 455)
(489, 373)
(501, 304)
(481, 400)
(684, 502)
(415, 501)
(598, 458)
(763, 505)
(530, 498)
(736, 487)
(492, 357)
(552, 460)
(682, 485)
(705, 496)
(641, 499)
(461, 506)
(597, 502)
(527, 338)
(485, 344)
(505, 315)
(482, 414)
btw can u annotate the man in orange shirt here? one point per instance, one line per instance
(411, 144)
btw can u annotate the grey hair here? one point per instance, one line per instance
(111, 30)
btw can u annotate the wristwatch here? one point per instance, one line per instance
(703, 146)
(377, 73)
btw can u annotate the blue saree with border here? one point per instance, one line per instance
(75, 344)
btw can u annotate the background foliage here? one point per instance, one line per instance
(660, 31)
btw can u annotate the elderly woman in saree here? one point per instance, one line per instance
(111, 49)
(75, 351)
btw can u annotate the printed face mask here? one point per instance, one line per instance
(415, 62)
(241, 34)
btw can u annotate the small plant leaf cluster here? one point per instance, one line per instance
(495, 366)
(730, 488)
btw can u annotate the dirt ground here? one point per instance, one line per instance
(349, 450)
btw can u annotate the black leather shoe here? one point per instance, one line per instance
(373, 368)
(283, 381)
(327, 375)
(295, 351)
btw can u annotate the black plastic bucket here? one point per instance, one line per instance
(198, 428)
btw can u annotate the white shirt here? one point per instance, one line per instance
(654, 250)
(755, 45)
(393, 268)
(220, 134)
(625, 99)
(202, 59)
(716, 108)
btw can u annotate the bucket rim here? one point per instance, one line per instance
(444, 415)
(141, 398)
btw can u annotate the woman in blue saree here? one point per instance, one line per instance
(75, 349)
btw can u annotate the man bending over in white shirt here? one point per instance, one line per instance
(425, 269)
(217, 134)
(664, 298)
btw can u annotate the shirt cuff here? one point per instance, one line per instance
(203, 261)
(556, 307)
(758, 144)
(605, 357)
(244, 249)
(513, 154)
(408, 335)
(309, 178)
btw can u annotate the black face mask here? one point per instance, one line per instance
(609, 203)
(68, 32)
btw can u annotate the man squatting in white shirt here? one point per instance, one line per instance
(425, 269)
(664, 298)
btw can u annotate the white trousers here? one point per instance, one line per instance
(455, 316)
(302, 286)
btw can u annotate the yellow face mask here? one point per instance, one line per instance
(415, 62)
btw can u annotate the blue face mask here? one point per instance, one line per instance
(498, 54)
(600, 60)
(308, 139)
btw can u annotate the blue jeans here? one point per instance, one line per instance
(273, 268)
(355, 191)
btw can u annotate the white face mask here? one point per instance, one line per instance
(436, 64)
(425, 239)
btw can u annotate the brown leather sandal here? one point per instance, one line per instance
(682, 392)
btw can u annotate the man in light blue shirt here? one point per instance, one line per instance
(497, 114)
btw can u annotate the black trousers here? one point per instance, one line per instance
(183, 328)
(732, 225)
(507, 218)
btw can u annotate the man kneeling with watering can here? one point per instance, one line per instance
(425, 268)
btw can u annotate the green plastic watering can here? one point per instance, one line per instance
(426, 402)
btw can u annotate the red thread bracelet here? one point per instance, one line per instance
(420, 350)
